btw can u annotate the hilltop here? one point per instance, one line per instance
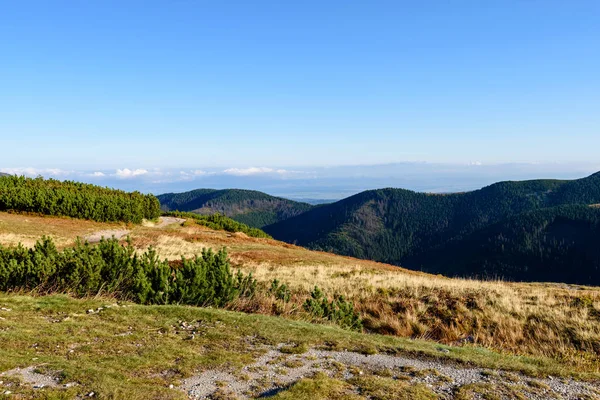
(250, 207)
(478, 233)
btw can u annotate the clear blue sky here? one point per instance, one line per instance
(184, 83)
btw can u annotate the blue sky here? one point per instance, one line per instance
(273, 85)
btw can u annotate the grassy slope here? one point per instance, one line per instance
(250, 207)
(544, 320)
(136, 352)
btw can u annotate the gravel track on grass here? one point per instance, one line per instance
(275, 371)
(106, 234)
(121, 233)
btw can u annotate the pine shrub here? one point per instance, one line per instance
(338, 310)
(112, 268)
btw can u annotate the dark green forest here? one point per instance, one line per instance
(465, 234)
(249, 207)
(75, 199)
(560, 244)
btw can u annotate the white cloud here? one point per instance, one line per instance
(255, 171)
(127, 173)
(98, 174)
(33, 172)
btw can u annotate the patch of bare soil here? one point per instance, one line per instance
(106, 234)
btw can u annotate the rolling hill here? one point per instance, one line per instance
(250, 207)
(425, 231)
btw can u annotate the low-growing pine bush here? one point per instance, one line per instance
(75, 200)
(116, 269)
(280, 291)
(338, 310)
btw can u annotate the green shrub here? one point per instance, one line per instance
(220, 222)
(280, 291)
(113, 268)
(338, 310)
(75, 199)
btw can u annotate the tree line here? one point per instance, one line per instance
(219, 222)
(76, 200)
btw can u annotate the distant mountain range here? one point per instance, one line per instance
(250, 207)
(539, 230)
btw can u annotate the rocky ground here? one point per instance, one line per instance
(278, 368)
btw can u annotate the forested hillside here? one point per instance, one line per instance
(446, 233)
(557, 244)
(250, 207)
(75, 199)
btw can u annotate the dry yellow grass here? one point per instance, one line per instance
(28, 228)
(556, 320)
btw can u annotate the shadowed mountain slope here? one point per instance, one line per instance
(424, 231)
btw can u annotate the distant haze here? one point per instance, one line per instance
(318, 183)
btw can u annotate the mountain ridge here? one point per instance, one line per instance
(401, 227)
(251, 207)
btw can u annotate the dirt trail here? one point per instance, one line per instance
(166, 221)
(121, 233)
(275, 371)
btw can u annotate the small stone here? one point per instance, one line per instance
(38, 386)
(90, 311)
(445, 351)
(91, 394)
(7, 392)
(171, 386)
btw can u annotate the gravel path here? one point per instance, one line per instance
(166, 221)
(107, 234)
(121, 233)
(275, 370)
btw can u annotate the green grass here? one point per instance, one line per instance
(135, 352)
(383, 388)
(320, 387)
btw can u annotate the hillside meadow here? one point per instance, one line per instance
(556, 321)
